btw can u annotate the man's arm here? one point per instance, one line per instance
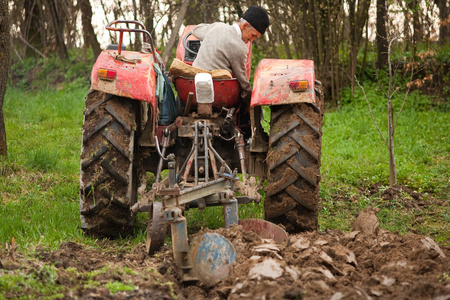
(240, 71)
(201, 30)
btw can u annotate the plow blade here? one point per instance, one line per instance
(156, 229)
(212, 254)
(265, 229)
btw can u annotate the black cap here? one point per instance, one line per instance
(257, 17)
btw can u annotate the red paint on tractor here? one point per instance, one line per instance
(180, 47)
(226, 91)
(272, 79)
(133, 80)
(248, 63)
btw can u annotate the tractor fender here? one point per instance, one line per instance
(135, 75)
(272, 82)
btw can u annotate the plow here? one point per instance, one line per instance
(206, 147)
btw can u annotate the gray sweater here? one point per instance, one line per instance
(222, 48)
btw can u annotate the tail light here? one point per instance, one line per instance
(298, 85)
(106, 74)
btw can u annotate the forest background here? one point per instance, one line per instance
(344, 38)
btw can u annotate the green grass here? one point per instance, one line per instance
(353, 152)
(45, 282)
(42, 281)
(354, 157)
(40, 179)
(39, 186)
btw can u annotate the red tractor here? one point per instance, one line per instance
(203, 147)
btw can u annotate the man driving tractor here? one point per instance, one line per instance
(224, 46)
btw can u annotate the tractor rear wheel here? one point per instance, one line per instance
(108, 182)
(293, 161)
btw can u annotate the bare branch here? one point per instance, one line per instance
(395, 91)
(371, 113)
(390, 67)
(15, 50)
(31, 46)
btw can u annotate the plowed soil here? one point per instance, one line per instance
(368, 263)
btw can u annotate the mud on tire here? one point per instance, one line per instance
(108, 181)
(293, 161)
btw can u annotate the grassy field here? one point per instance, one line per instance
(355, 159)
(39, 181)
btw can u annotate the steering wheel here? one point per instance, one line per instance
(186, 46)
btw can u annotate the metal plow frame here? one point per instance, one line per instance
(190, 187)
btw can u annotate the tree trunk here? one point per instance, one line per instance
(175, 29)
(205, 11)
(138, 37)
(391, 129)
(71, 13)
(90, 39)
(444, 14)
(366, 45)
(406, 30)
(4, 66)
(382, 44)
(30, 28)
(413, 7)
(392, 168)
(57, 28)
(147, 14)
(319, 46)
(358, 13)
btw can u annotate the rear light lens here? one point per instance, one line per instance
(107, 74)
(298, 85)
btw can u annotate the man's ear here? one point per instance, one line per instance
(244, 25)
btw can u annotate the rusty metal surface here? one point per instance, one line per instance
(272, 78)
(156, 229)
(145, 34)
(239, 140)
(226, 91)
(200, 191)
(265, 229)
(135, 81)
(204, 109)
(212, 254)
(180, 243)
(230, 212)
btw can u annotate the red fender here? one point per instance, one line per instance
(133, 80)
(272, 79)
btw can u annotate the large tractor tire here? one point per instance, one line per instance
(293, 161)
(108, 179)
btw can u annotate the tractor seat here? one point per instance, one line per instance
(227, 89)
